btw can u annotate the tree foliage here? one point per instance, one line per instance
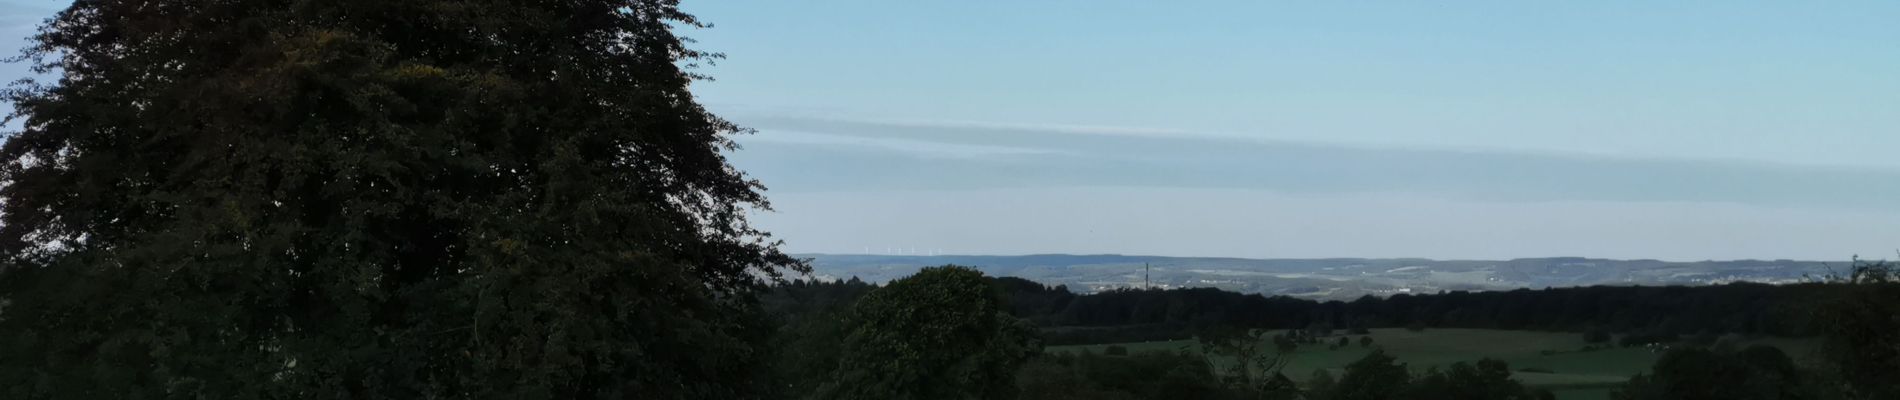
(1692, 373)
(1252, 359)
(1376, 376)
(374, 199)
(1860, 330)
(1144, 375)
(940, 334)
(1487, 379)
(809, 317)
(1655, 313)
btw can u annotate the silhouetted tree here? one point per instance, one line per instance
(1655, 312)
(1693, 373)
(1144, 375)
(1254, 366)
(1376, 376)
(939, 334)
(362, 199)
(811, 318)
(1860, 328)
(1486, 380)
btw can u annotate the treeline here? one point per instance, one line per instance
(1745, 308)
(838, 340)
(1148, 315)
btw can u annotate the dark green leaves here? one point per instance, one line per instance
(374, 199)
(939, 334)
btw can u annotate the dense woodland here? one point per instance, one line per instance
(1129, 315)
(489, 199)
(1851, 314)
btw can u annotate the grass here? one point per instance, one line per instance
(1574, 374)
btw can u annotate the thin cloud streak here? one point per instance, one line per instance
(1049, 158)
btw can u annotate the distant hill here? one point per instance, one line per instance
(1327, 278)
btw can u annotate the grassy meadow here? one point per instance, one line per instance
(1574, 374)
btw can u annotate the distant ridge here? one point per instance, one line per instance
(1326, 277)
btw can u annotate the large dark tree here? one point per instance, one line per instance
(811, 318)
(1157, 375)
(374, 199)
(1758, 372)
(942, 334)
(1487, 379)
(1376, 376)
(1860, 330)
(1247, 360)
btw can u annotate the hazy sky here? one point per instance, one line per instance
(1686, 130)
(1495, 129)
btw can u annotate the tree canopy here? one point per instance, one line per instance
(1377, 376)
(374, 199)
(1646, 313)
(1860, 330)
(1691, 373)
(940, 334)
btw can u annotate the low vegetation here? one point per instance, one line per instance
(1641, 315)
(1317, 360)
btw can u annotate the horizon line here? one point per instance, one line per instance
(801, 254)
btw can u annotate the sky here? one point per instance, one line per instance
(1684, 130)
(1464, 129)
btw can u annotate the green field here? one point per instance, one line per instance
(1574, 374)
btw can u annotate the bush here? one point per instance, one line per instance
(1115, 351)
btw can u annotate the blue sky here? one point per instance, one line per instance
(1776, 81)
(1685, 130)
(1468, 129)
